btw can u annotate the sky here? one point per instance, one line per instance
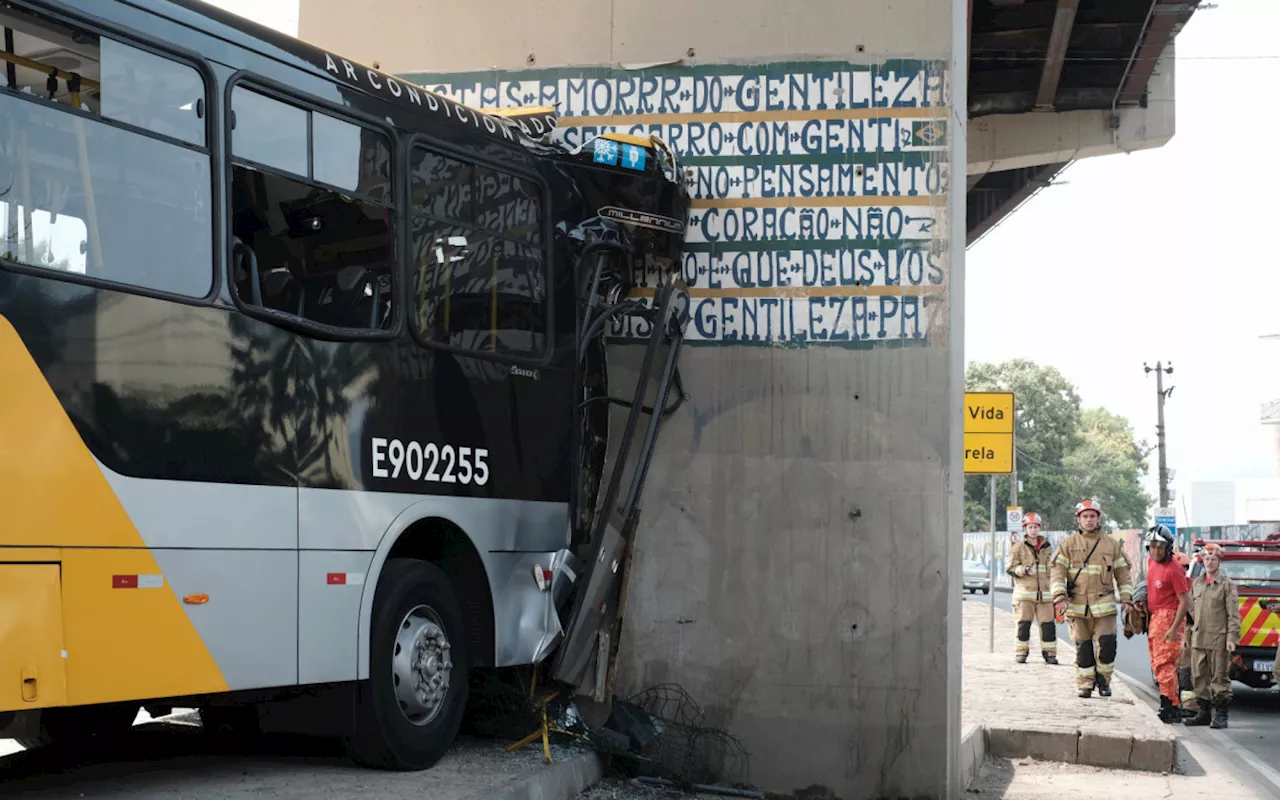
(1154, 255)
(1159, 255)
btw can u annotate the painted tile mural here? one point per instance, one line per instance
(819, 188)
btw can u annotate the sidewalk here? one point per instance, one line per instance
(1045, 780)
(1042, 741)
(1032, 708)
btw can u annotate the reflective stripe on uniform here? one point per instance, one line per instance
(1103, 608)
(1105, 670)
(1091, 569)
(1057, 588)
(1029, 595)
(1021, 648)
(1085, 672)
(1121, 562)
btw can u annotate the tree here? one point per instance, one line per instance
(1108, 466)
(1064, 453)
(1046, 431)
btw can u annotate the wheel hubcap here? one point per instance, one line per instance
(420, 665)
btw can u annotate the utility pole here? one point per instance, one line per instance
(1013, 480)
(1161, 394)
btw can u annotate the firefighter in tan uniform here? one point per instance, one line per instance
(1029, 566)
(1214, 636)
(1087, 571)
(1186, 693)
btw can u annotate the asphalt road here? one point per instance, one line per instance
(161, 760)
(1255, 714)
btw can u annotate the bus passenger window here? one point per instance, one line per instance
(311, 227)
(352, 158)
(88, 186)
(269, 132)
(479, 272)
(153, 93)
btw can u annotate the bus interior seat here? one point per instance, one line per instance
(349, 297)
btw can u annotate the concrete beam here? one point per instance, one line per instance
(991, 210)
(1015, 141)
(1063, 21)
(1161, 21)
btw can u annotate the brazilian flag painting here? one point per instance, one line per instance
(928, 133)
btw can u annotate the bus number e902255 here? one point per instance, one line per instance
(429, 462)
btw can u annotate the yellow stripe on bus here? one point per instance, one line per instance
(120, 644)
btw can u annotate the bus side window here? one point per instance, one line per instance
(479, 277)
(103, 168)
(311, 226)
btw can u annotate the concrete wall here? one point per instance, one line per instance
(800, 548)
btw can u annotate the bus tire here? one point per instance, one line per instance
(408, 712)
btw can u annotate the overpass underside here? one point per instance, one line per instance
(797, 568)
(1053, 81)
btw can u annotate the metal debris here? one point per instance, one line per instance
(662, 733)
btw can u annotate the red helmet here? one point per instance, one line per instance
(1032, 518)
(1088, 505)
(1182, 559)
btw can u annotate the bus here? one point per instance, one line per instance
(305, 391)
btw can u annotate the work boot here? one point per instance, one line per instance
(1219, 713)
(1050, 659)
(1021, 658)
(1168, 711)
(1202, 713)
(1104, 688)
(1086, 691)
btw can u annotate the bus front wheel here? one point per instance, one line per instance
(407, 713)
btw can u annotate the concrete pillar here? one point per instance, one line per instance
(799, 557)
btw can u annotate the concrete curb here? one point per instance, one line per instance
(973, 751)
(1073, 746)
(563, 780)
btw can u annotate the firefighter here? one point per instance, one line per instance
(1167, 600)
(1186, 694)
(1088, 569)
(1213, 636)
(1029, 567)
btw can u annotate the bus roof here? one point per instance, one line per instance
(511, 124)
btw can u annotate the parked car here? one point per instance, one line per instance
(976, 576)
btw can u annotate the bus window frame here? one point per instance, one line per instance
(276, 90)
(433, 145)
(211, 148)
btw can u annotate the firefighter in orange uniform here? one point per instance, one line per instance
(1087, 571)
(1029, 567)
(1168, 596)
